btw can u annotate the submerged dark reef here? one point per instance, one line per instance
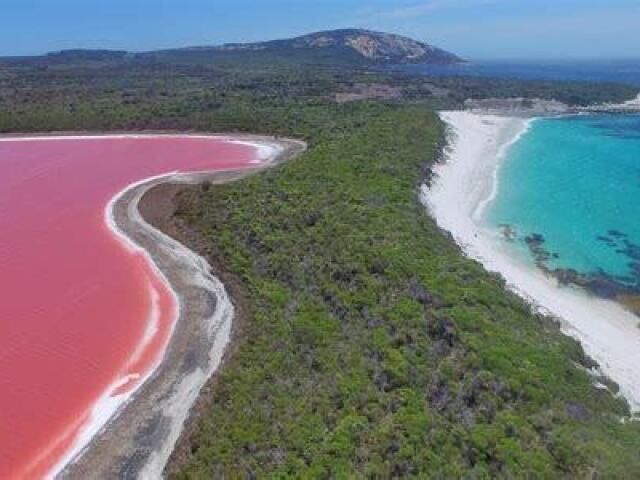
(623, 288)
(630, 129)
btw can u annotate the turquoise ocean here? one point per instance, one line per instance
(569, 197)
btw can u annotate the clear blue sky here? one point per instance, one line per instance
(472, 28)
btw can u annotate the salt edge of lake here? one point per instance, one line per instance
(109, 405)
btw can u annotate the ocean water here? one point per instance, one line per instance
(618, 71)
(569, 196)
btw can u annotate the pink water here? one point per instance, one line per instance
(75, 302)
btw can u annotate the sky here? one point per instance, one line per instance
(475, 29)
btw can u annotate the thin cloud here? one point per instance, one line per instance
(424, 8)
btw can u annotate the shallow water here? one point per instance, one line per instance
(576, 181)
(80, 313)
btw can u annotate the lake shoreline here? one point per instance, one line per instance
(139, 438)
(463, 185)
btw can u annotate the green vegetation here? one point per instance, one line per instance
(571, 93)
(371, 347)
(241, 90)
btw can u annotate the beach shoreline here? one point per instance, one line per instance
(136, 436)
(463, 185)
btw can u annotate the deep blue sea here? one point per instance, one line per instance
(575, 182)
(619, 71)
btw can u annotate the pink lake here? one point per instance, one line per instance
(76, 302)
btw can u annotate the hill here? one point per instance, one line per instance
(361, 45)
(336, 48)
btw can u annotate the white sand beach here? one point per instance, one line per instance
(462, 188)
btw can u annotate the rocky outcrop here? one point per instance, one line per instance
(516, 106)
(375, 47)
(541, 107)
